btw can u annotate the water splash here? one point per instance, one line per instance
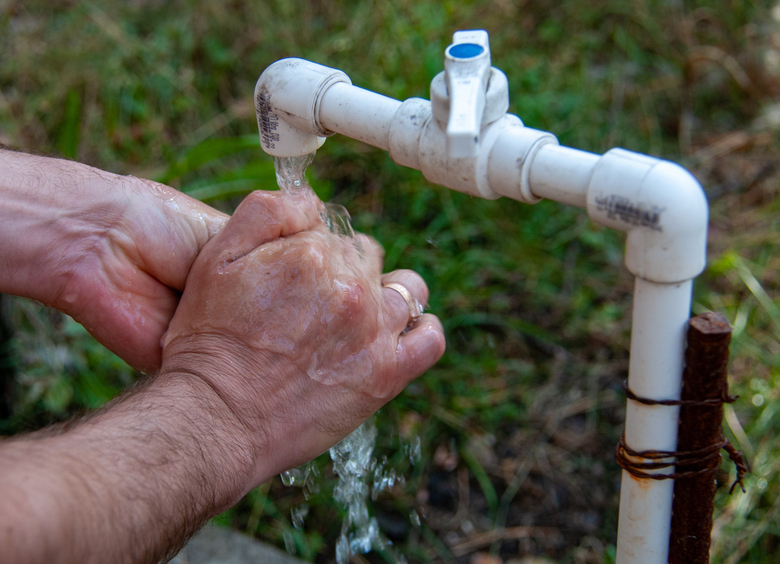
(337, 218)
(354, 463)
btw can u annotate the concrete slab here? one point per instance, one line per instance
(215, 545)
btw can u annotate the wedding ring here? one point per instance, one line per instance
(415, 311)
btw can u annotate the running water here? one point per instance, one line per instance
(291, 177)
(352, 462)
(359, 473)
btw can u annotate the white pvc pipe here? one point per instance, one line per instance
(358, 113)
(562, 174)
(655, 372)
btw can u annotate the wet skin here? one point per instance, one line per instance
(111, 251)
(290, 324)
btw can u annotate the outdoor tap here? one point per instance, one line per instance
(464, 139)
(451, 138)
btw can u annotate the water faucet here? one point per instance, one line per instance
(464, 139)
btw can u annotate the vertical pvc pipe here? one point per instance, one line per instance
(659, 320)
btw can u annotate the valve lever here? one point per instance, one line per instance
(467, 74)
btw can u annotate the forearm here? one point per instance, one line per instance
(128, 484)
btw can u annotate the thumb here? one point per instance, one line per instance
(265, 216)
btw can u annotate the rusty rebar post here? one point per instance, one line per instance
(704, 378)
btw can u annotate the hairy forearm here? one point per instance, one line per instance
(127, 484)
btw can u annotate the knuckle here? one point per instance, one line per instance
(260, 202)
(370, 246)
(353, 299)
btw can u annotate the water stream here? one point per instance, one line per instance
(291, 178)
(360, 474)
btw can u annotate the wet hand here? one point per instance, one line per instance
(111, 251)
(126, 285)
(290, 324)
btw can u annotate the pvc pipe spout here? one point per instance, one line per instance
(287, 99)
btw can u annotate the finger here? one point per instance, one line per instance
(400, 311)
(420, 348)
(371, 251)
(265, 216)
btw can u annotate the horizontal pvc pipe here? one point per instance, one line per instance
(562, 174)
(655, 372)
(358, 113)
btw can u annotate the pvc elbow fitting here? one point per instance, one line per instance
(287, 99)
(660, 205)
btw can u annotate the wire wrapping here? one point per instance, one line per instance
(708, 457)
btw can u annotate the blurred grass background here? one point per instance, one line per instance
(518, 422)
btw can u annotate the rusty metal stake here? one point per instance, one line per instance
(704, 378)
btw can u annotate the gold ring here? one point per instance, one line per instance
(415, 311)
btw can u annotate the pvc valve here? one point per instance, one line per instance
(467, 73)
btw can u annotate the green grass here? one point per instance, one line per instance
(534, 299)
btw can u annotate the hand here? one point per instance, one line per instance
(111, 251)
(126, 288)
(291, 326)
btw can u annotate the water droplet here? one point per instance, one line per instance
(298, 514)
(415, 451)
(298, 476)
(289, 542)
(414, 517)
(342, 550)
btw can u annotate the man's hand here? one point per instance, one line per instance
(283, 342)
(290, 325)
(111, 251)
